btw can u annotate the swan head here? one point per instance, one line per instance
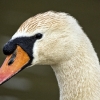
(45, 39)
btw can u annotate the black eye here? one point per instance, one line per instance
(38, 36)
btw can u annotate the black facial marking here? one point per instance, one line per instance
(26, 43)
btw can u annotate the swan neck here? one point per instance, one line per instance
(78, 80)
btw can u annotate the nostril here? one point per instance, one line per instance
(12, 58)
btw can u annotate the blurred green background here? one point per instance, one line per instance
(39, 82)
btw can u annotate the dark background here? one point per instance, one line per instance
(39, 82)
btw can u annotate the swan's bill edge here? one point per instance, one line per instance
(8, 70)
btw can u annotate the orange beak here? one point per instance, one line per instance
(13, 64)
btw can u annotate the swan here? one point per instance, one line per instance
(55, 39)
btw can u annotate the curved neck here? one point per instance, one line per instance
(78, 79)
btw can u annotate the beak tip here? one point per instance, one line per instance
(8, 70)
